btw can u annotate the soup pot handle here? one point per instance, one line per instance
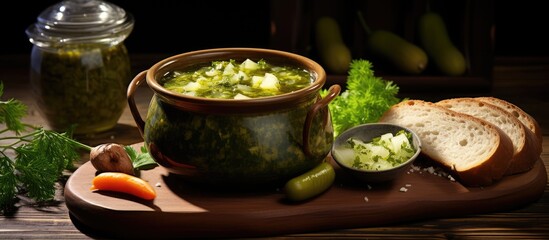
(333, 92)
(136, 82)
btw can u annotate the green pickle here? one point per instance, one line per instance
(81, 86)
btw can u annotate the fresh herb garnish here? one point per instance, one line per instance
(32, 159)
(365, 99)
(141, 161)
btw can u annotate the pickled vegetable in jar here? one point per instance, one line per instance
(80, 68)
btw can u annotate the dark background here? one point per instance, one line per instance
(175, 26)
(163, 26)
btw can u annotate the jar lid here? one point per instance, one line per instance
(80, 21)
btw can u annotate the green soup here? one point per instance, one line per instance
(237, 80)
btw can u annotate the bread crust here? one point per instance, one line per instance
(494, 168)
(529, 122)
(526, 150)
(487, 171)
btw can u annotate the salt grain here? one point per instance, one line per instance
(432, 170)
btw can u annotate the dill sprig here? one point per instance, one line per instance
(32, 158)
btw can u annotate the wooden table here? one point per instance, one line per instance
(525, 84)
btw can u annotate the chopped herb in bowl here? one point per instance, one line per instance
(383, 152)
(376, 152)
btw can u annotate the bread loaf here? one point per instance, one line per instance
(525, 149)
(477, 152)
(524, 117)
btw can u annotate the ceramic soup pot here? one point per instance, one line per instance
(238, 142)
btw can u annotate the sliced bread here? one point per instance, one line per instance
(477, 152)
(524, 142)
(524, 117)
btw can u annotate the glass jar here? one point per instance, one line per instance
(80, 68)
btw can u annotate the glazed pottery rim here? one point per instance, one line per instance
(347, 133)
(208, 55)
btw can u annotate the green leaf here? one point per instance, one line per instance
(131, 152)
(365, 99)
(11, 113)
(40, 155)
(36, 173)
(56, 147)
(8, 183)
(141, 161)
(39, 164)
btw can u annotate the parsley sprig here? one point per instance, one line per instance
(32, 159)
(365, 99)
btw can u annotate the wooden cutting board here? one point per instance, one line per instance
(185, 210)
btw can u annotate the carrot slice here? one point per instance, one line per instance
(124, 183)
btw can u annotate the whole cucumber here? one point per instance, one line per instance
(435, 40)
(404, 55)
(310, 183)
(335, 55)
